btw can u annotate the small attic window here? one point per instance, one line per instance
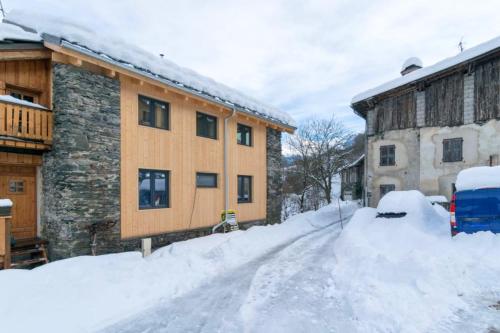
(27, 96)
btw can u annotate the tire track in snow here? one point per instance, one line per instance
(225, 304)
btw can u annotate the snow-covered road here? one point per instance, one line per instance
(285, 290)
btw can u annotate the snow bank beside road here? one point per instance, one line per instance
(402, 275)
(83, 294)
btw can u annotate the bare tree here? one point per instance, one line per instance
(323, 147)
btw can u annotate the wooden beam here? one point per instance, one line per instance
(25, 55)
(109, 72)
(75, 61)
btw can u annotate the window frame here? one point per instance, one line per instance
(198, 113)
(207, 174)
(385, 159)
(152, 186)
(385, 186)
(250, 194)
(152, 111)
(449, 157)
(23, 93)
(16, 183)
(250, 144)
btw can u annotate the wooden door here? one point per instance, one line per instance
(18, 183)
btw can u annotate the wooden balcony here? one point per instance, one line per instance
(25, 127)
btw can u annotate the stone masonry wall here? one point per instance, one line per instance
(81, 175)
(274, 176)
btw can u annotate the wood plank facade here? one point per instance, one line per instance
(181, 152)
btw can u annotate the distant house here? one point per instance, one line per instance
(98, 136)
(426, 126)
(352, 180)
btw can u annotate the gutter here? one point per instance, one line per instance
(226, 162)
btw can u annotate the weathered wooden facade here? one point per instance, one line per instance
(426, 126)
(76, 138)
(352, 179)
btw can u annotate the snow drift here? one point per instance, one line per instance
(86, 293)
(409, 275)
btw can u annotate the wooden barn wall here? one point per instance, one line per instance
(31, 75)
(487, 91)
(444, 101)
(183, 153)
(397, 112)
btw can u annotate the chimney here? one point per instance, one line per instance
(410, 65)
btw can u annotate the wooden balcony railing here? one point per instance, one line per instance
(25, 122)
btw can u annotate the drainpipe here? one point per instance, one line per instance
(226, 173)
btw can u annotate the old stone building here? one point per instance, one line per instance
(432, 122)
(103, 145)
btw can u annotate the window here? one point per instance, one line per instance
(386, 188)
(452, 150)
(206, 125)
(153, 189)
(353, 176)
(387, 155)
(16, 186)
(23, 95)
(153, 113)
(204, 179)
(244, 189)
(244, 135)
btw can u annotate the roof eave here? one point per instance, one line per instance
(67, 45)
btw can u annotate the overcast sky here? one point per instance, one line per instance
(308, 58)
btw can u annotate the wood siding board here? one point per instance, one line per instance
(487, 91)
(183, 153)
(396, 112)
(444, 101)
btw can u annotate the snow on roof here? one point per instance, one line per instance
(5, 203)
(13, 100)
(478, 178)
(413, 61)
(9, 32)
(359, 159)
(82, 38)
(418, 74)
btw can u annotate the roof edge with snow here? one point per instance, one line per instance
(182, 79)
(468, 55)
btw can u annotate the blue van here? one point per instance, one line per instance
(475, 210)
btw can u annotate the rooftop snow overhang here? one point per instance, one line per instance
(127, 67)
(420, 78)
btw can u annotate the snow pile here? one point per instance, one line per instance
(80, 36)
(5, 203)
(418, 74)
(12, 32)
(478, 178)
(437, 199)
(399, 277)
(86, 293)
(13, 100)
(413, 61)
(419, 211)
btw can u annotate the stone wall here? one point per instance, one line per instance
(274, 176)
(81, 175)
